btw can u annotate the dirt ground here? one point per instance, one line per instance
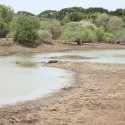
(96, 95)
(55, 46)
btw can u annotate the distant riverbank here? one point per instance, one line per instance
(55, 47)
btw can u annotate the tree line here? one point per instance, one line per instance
(74, 24)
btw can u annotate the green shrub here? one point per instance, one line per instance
(3, 29)
(114, 23)
(119, 36)
(24, 29)
(79, 36)
(108, 37)
(75, 16)
(99, 34)
(81, 25)
(44, 24)
(65, 20)
(44, 35)
(55, 29)
(6, 13)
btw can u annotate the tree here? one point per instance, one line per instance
(3, 29)
(102, 20)
(75, 16)
(80, 25)
(66, 11)
(25, 13)
(24, 29)
(114, 23)
(79, 36)
(93, 17)
(120, 36)
(93, 10)
(55, 29)
(100, 34)
(52, 14)
(45, 35)
(65, 20)
(6, 13)
(117, 12)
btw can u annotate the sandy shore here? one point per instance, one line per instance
(96, 95)
(55, 47)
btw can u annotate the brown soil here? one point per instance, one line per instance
(96, 96)
(54, 47)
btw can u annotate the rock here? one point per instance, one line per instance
(53, 61)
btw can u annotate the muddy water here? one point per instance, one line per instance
(27, 80)
(96, 56)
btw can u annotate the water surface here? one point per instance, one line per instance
(29, 79)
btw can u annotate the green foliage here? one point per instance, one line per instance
(99, 34)
(120, 35)
(75, 16)
(66, 11)
(51, 14)
(44, 35)
(108, 37)
(114, 23)
(65, 20)
(24, 29)
(53, 26)
(79, 36)
(55, 29)
(93, 17)
(102, 20)
(6, 13)
(3, 29)
(118, 12)
(92, 10)
(25, 13)
(80, 25)
(44, 23)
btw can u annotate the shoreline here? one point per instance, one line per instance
(56, 47)
(94, 97)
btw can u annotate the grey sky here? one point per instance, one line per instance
(36, 6)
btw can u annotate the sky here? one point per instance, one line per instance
(37, 6)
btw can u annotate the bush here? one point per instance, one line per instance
(3, 29)
(75, 16)
(99, 34)
(114, 23)
(108, 37)
(24, 30)
(119, 36)
(55, 29)
(102, 20)
(45, 35)
(6, 13)
(81, 25)
(65, 20)
(79, 36)
(44, 24)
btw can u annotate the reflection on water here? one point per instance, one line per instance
(26, 79)
(27, 64)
